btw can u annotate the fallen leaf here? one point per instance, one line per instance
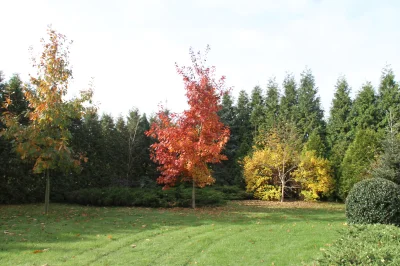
(133, 246)
(37, 251)
(109, 236)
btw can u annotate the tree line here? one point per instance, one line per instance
(273, 127)
(360, 137)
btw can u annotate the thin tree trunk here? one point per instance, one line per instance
(283, 192)
(193, 196)
(47, 193)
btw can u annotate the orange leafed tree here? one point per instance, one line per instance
(187, 143)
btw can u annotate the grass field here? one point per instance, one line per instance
(241, 233)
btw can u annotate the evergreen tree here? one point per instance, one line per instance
(95, 172)
(388, 164)
(339, 124)
(289, 101)
(310, 114)
(228, 111)
(133, 120)
(120, 144)
(389, 98)
(271, 105)
(244, 132)
(315, 144)
(357, 161)
(242, 121)
(148, 169)
(364, 112)
(110, 152)
(16, 180)
(257, 108)
(228, 171)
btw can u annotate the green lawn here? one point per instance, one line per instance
(241, 233)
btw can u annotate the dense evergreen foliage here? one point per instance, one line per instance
(338, 126)
(357, 160)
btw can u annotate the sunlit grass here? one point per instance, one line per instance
(242, 233)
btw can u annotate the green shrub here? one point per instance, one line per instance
(233, 192)
(206, 197)
(372, 201)
(365, 245)
(122, 196)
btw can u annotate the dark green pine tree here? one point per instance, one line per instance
(120, 144)
(364, 112)
(110, 150)
(144, 169)
(310, 115)
(271, 111)
(227, 171)
(244, 127)
(315, 143)
(244, 133)
(388, 98)
(289, 101)
(90, 141)
(257, 108)
(358, 159)
(339, 125)
(388, 163)
(17, 182)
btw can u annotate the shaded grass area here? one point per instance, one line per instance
(241, 233)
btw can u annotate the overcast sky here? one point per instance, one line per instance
(130, 47)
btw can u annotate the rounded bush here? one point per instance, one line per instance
(375, 200)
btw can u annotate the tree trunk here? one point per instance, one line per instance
(193, 195)
(47, 193)
(283, 193)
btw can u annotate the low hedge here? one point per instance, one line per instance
(368, 244)
(173, 197)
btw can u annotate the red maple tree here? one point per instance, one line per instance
(188, 142)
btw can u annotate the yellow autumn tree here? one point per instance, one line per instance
(277, 168)
(268, 170)
(315, 176)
